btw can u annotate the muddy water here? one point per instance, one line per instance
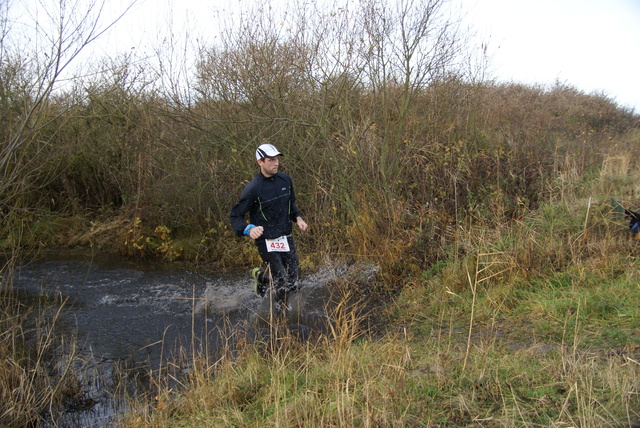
(121, 309)
(144, 314)
(127, 314)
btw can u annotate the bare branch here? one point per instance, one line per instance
(57, 32)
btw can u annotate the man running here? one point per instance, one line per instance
(271, 203)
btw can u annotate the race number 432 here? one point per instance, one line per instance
(280, 244)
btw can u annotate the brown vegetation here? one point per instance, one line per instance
(395, 151)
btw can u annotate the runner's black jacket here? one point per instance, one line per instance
(270, 202)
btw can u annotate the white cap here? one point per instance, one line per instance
(267, 151)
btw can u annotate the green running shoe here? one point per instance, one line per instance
(258, 287)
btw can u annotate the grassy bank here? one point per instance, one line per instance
(532, 323)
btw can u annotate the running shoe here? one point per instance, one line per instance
(258, 287)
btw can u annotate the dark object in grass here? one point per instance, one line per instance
(634, 223)
(634, 218)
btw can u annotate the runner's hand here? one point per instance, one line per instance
(301, 224)
(256, 232)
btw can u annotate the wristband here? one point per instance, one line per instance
(248, 228)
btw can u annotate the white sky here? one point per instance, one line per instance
(593, 45)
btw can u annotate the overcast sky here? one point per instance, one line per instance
(593, 45)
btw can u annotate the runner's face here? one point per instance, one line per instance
(269, 166)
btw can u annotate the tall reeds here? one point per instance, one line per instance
(39, 366)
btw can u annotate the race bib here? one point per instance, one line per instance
(280, 244)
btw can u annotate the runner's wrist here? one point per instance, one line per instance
(247, 230)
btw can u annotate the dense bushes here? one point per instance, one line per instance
(367, 181)
(388, 141)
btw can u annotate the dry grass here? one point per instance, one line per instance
(526, 328)
(40, 371)
(522, 324)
